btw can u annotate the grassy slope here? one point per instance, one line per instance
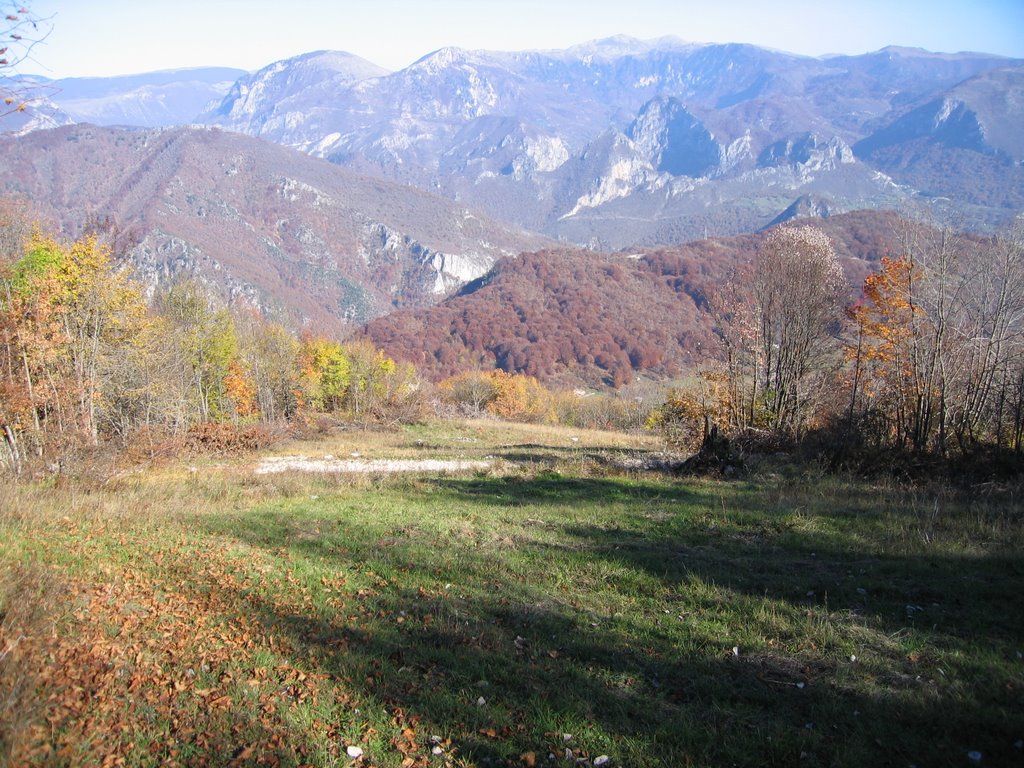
(212, 617)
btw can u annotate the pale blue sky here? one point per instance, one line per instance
(103, 37)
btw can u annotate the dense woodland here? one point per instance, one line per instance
(600, 319)
(553, 313)
(927, 360)
(86, 359)
(774, 334)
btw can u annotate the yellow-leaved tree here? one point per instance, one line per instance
(66, 315)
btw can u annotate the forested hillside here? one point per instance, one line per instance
(575, 316)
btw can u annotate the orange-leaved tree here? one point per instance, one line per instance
(888, 325)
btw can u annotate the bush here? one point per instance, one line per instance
(509, 396)
(601, 411)
(217, 437)
(683, 420)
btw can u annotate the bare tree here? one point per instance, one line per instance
(796, 291)
(939, 355)
(20, 31)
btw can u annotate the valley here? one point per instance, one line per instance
(636, 403)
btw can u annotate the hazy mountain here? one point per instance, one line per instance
(276, 228)
(292, 99)
(620, 141)
(150, 100)
(966, 143)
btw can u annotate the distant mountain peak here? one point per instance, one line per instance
(623, 45)
(442, 58)
(341, 61)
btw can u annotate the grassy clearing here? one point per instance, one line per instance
(555, 610)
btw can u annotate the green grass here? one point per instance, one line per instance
(592, 609)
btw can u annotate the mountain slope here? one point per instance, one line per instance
(281, 230)
(572, 316)
(622, 141)
(965, 144)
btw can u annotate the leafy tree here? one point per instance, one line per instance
(66, 316)
(240, 390)
(887, 321)
(206, 342)
(324, 375)
(269, 352)
(796, 302)
(938, 353)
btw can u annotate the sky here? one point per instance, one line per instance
(107, 37)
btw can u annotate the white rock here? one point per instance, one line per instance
(354, 752)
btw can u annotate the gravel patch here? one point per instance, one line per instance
(274, 464)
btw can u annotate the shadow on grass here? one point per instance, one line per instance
(448, 623)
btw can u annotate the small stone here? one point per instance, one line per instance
(602, 760)
(354, 752)
(481, 701)
(800, 685)
(735, 650)
(437, 751)
(566, 737)
(853, 659)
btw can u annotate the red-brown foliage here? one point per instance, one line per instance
(573, 315)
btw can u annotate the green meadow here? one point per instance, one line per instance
(564, 606)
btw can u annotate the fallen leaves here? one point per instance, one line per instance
(177, 657)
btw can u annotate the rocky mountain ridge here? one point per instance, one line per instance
(276, 229)
(654, 133)
(620, 141)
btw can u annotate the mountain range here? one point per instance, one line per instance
(332, 192)
(620, 141)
